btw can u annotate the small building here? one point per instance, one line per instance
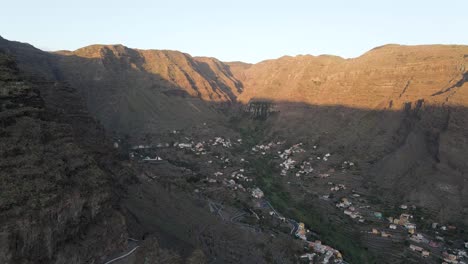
(301, 232)
(185, 145)
(393, 226)
(308, 256)
(410, 226)
(156, 159)
(346, 201)
(416, 248)
(384, 234)
(425, 253)
(378, 214)
(434, 244)
(451, 258)
(257, 193)
(404, 218)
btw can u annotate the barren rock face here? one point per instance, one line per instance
(384, 77)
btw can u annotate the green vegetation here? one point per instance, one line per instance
(330, 232)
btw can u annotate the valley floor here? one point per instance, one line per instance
(282, 201)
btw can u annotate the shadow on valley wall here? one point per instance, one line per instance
(121, 94)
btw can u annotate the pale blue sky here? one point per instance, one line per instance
(245, 30)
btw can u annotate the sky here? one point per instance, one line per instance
(240, 30)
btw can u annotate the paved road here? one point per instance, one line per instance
(235, 220)
(295, 226)
(293, 222)
(214, 207)
(126, 254)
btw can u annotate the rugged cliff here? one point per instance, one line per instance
(57, 194)
(136, 91)
(384, 77)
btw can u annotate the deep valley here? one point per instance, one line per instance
(118, 155)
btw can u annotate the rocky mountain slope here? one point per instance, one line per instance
(62, 183)
(385, 77)
(58, 184)
(399, 109)
(136, 91)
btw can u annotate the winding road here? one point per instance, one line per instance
(126, 254)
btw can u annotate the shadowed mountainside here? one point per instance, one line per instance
(58, 176)
(62, 183)
(415, 154)
(136, 91)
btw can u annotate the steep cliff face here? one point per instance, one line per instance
(148, 90)
(136, 91)
(57, 195)
(206, 78)
(384, 77)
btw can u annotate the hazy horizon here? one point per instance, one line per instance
(241, 31)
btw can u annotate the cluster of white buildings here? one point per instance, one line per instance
(328, 253)
(338, 187)
(240, 176)
(305, 168)
(222, 142)
(347, 164)
(289, 163)
(350, 210)
(263, 148)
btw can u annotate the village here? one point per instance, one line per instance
(220, 169)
